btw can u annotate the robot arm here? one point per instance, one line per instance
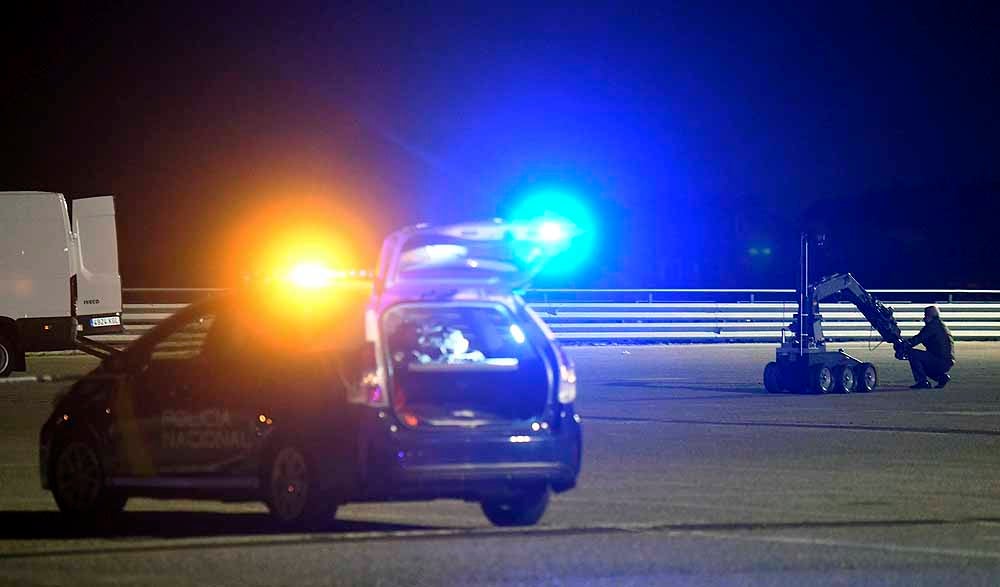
(877, 314)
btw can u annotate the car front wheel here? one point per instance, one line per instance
(523, 510)
(78, 482)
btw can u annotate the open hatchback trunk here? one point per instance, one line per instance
(463, 364)
(458, 353)
(498, 253)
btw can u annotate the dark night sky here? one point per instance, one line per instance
(694, 132)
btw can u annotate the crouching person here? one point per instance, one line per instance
(938, 359)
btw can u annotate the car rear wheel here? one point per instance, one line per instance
(78, 482)
(6, 357)
(294, 498)
(523, 510)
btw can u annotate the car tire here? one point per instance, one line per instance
(525, 509)
(866, 377)
(772, 378)
(6, 357)
(844, 380)
(77, 482)
(293, 494)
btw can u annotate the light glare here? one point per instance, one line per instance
(552, 231)
(311, 275)
(517, 334)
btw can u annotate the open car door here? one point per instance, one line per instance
(99, 285)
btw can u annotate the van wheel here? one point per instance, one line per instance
(293, 495)
(523, 510)
(6, 357)
(78, 482)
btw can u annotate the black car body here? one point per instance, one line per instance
(405, 388)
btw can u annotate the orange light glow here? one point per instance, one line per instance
(307, 259)
(290, 247)
(312, 275)
(290, 231)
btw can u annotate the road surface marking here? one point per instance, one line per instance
(895, 548)
(740, 531)
(40, 379)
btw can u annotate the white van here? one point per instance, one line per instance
(59, 280)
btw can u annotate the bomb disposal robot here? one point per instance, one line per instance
(802, 364)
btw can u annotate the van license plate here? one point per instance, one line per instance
(106, 321)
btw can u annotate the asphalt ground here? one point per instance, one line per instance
(693, 475)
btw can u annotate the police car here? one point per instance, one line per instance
(434, 380)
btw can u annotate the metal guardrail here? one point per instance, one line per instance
(652, 315)
(752, 295)
(672, 315)
(758, 321)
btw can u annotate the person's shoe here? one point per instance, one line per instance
(942, 381)
(921, 385)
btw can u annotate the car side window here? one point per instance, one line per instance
(186, 342)
(228, 343)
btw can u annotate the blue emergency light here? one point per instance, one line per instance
(565, 228)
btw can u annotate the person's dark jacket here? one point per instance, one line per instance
(937, 339)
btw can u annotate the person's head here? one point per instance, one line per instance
(931, 313)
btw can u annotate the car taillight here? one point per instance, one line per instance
(371, 387)
(567, 379)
